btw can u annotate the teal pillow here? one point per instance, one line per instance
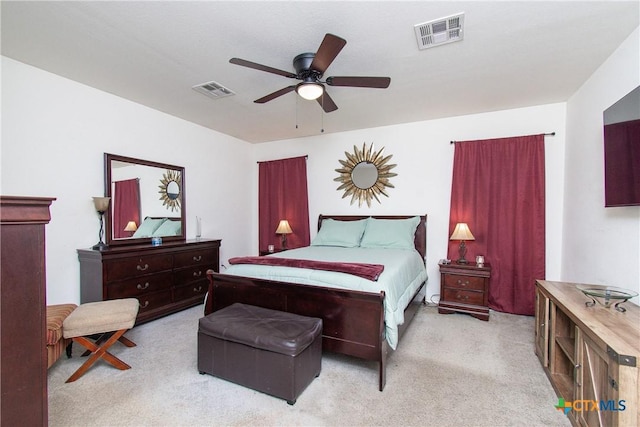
(148, 227)
(390, 233)
(168, 228)
(346, 234)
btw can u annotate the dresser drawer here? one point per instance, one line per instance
(195, 289)
(154, 300)
(464, 282)
(139, 285)
(463, 296)
(197, 257)
(125, 268)
(186, 275)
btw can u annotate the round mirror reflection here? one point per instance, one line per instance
(364, 175)
(173, 190)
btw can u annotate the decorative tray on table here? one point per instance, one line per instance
(607, 295)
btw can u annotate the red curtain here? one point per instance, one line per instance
(126, 206)
(282, 194)
(498, 189)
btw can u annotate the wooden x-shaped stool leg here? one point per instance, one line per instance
(100, 352)
(103, 337)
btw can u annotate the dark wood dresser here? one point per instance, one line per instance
(23, 311)
(464, 288)
(165, 279)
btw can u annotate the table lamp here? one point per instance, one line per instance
(462, 233)
(101, 204)
(284, 228)
(131, 227)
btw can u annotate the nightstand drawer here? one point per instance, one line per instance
(464, 282)
(463, 296)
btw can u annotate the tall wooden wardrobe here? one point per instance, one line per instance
(23, 353)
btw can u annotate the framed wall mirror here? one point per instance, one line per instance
(147, 200)
(365, 174)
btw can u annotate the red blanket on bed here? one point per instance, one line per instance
(367, 271)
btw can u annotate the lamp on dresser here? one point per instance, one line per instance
(284, 228)
(101, 204)
(462, 233)
(131, 227)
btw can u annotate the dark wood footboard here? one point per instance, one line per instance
(353, 321)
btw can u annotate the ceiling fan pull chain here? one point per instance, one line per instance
(322, 115)
(296, 112)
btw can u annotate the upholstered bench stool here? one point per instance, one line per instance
(109, 319)
(56, 343)
(269, 351)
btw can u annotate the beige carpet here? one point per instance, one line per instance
(449, 370)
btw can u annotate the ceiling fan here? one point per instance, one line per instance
(309, 68)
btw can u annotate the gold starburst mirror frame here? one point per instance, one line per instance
(170, 186)
(365, 174)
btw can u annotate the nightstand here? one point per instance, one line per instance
(275, 251)
(464, 288)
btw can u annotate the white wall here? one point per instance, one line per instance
(54, 134)
(424, 157)
(600, 245)
(55, 131)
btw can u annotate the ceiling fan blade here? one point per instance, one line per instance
(260, 67)
(327, 103)
(329, 48)
(275, 94)
(375, 82)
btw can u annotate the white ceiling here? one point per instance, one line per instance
(514, 54)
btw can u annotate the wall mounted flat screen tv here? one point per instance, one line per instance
(622, 151)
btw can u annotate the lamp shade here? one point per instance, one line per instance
(101, 203)
(131, 226)
(284, 227)
(310, 91)
(462, 232)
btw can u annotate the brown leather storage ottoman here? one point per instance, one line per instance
(269, 351)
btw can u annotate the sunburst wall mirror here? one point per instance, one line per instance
(170, 189)
(365, 174)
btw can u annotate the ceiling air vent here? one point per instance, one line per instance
(213, 90)
(440, 31)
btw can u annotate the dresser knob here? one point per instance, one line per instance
(197, 273)
(140, 268)
(463, 282)
(197, 258)
(141, 287)
(198, 289)
(145, 305)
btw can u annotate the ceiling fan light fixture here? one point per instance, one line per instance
(310, 90)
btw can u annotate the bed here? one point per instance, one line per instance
(361, 318)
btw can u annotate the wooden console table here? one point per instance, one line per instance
(590, 354)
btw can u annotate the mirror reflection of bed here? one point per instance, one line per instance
(361, 317)
(146, 199)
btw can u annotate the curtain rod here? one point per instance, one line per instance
(545, 134)
(306, 156)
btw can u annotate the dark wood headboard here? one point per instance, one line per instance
(420, 240)
(170, 218)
